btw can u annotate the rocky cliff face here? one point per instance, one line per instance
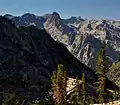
(28, 56)
(82, 37)
(85, 37)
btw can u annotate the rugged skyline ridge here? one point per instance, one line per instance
(82, 37)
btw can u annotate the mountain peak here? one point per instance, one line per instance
(9, 16)
(54, 18)
(55, 15)
(27, 15)
(73, 20)
(74, 17)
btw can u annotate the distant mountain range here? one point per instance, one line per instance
(82, 37)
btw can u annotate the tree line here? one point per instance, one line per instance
(79, 94)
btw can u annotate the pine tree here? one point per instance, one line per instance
(83, 90)
(101, 70)
(59, 84)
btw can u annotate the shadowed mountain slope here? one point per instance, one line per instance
(28, 56)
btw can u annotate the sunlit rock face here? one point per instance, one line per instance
(82, 37)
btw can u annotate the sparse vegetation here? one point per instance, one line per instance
(79, 96)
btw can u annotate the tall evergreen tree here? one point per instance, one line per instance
(59, 84)
(101, 70)
(83, 90)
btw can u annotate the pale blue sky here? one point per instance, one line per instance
(109, 9)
